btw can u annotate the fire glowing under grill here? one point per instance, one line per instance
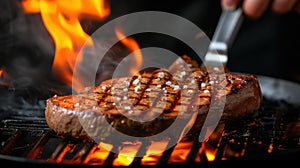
(272, 133)
(25, 135)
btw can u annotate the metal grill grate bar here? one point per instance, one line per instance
(30, 137)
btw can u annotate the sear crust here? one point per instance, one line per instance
(148, 103)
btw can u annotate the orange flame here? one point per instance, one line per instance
(154, 152)
(4, 78)
(181, 152)
(133, 46)
(98, 154)
(127, 153)
(61, 18)
(1, 72)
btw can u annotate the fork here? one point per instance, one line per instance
(228, 26)
(217, 55)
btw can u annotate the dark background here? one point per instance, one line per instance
(265, 46)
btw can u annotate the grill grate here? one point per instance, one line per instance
(272, 130)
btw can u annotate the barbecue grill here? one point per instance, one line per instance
(270, 134)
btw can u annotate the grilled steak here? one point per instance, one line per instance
(147, 104)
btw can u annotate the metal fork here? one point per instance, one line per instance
(217, 54)
(224, 35)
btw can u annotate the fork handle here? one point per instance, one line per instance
(227, 27)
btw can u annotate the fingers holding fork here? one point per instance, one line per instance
(256, 8)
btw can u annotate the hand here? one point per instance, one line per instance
(255, 8)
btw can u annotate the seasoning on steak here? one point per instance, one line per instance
(147, 104)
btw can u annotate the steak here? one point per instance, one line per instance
(150, 102)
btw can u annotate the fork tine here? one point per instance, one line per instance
(227, 28)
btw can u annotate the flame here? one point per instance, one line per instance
(1, 72)
(210, 155)
(4, 78)
(98, 154)
(270, 149)
(132, 45)
(61, 18)
(181, 152)
(208, 150)
(154, 152)
(127, 153)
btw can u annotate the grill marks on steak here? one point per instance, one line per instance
(149, 103)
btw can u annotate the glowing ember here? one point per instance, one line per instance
(4, 78)
(133, 46)
(181, 152)
(271, 147)
(154, 152)
(99, 154)
(210, 146)
(127, 153)
(61, 18)
(1, 73)
(210, 156)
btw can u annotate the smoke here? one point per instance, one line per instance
(26, 50)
